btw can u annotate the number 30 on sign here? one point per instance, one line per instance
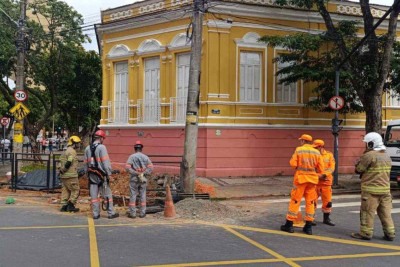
(20, 95)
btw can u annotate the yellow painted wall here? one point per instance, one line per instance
(219, 79)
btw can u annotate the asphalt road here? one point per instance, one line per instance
(33, 233)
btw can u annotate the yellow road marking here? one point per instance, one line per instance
(42, 227)
(314, 237)
(347, 256)
(319, 258)
(94, 252)
(258, 245)
(217, 263)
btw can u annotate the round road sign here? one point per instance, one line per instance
(4, 121)
(336, 102)
(20, 95)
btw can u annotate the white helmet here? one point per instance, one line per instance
(376, 140)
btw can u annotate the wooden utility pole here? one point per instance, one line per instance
(20, 74)
(192, 111)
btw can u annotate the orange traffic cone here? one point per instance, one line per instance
(169, 208)
(299, 222)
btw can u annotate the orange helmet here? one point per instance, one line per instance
(138, 144)
(100, 133)
(306, 137)
(318, 143)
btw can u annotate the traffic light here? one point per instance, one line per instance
(335, 126)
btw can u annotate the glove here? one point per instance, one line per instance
(63, 170)
(322, 176)
(142, 179)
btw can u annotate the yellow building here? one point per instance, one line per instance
(248, 122)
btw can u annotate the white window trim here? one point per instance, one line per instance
(248, 41)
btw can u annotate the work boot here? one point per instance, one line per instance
(71, 207)
(388, 237)
(96, 217)
(142, 215)
(64, 208)
(131, 215)
(115, 215)
(287, 227)
(359, 236)
(327, 220)
(308, 228)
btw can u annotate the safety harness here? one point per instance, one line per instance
(94, 169)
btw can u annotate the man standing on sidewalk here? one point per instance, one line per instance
(308, 163)
(324, 187)
(374, 169)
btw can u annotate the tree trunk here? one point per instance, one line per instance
(373, 111)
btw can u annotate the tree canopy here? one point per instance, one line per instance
(62, 79)
(369, 72)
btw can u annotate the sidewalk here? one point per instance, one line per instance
(275, 186)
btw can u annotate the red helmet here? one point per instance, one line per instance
(138, 144)
(100, 133)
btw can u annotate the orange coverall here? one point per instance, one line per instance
(324, 187)
(308, 163)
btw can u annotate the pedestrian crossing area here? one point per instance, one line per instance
(339, 201)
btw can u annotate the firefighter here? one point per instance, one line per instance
(139, 166)
(98, 167)
(69, 176)
(374, 169)
(308, 163)
(324, 187)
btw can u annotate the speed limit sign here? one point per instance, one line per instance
(4, 121)
(20, 95)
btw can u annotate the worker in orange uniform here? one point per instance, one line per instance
(324, 187)
(309, 164)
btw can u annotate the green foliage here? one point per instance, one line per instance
(314, 59)
(33, 167)
(63, 80)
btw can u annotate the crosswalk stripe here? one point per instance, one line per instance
(397, 210)
(352, 204)
(286, 200)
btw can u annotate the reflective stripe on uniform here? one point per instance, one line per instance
(375, 189)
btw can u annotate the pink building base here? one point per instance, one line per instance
(224, 152)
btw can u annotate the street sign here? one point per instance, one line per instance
(20, 95)
(4, 121)
(19, 111)
(336, 102)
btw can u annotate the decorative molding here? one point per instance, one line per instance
(133, 63)
(356, 11)
(251, 111)
(150, 46)
(180, 2)
(121, 14)
(119, 51)
(213, 95)
(151, 8)
(250, 39)
(219, 24)
(180, 41)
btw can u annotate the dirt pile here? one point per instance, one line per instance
(207, 210)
